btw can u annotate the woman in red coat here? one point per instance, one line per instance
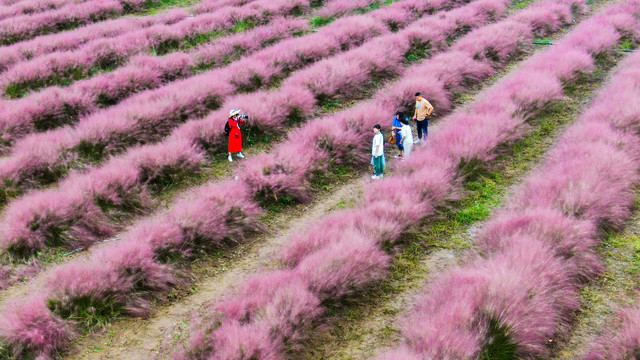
(235, 136)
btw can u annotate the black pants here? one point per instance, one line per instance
(423, 126)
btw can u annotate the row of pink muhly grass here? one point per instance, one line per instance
(58, 106)
(134, 271)
(33, 7)
(148, 116)
(19, 28)
(617, 107)
(112, 52)
(72, 215)
(341, 254)
(70, 40)
(535, 254)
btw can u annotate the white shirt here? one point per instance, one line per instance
(406, 134)
(378, 141)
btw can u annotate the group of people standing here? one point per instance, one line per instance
(403, 134)
(400, 128)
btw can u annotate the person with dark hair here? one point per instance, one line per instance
(421, 116)
(235, 135)
(377, 151)
(407, 138)
(396, 127)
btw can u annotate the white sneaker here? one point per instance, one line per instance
(418, 141)
(375, 177)
(240, 155)
(230, 158)
(380, 176)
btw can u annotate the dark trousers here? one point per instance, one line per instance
(423, 127)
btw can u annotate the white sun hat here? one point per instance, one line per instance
(234, 112)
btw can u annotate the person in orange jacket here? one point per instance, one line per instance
(235, 135)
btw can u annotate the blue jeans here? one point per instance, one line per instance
(423, 126)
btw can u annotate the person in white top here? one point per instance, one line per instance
(407, 138)
(377, 151)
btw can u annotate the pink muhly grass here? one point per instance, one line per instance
(331, 229)
(26, 233)
(235, 341)
(448, 329)
(121, 278)
(545, 22)
(344, 267)
(477, 41)
(216, 215)
(530, 294)
(29, 328)
(284, 306)
(32, 7)
(580, 191)
(255, 294)
(572, 239)
(409, 205)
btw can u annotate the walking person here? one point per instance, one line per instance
(396, 127)
(421, 116)
(235, 135)
(377, 151)
(407, 138)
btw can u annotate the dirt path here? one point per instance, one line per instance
(146, 338)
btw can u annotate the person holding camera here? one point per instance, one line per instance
(235, 135)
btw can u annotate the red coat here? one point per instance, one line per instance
(235, 136)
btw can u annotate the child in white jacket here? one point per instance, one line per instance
(407, 138)
(377, 151)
